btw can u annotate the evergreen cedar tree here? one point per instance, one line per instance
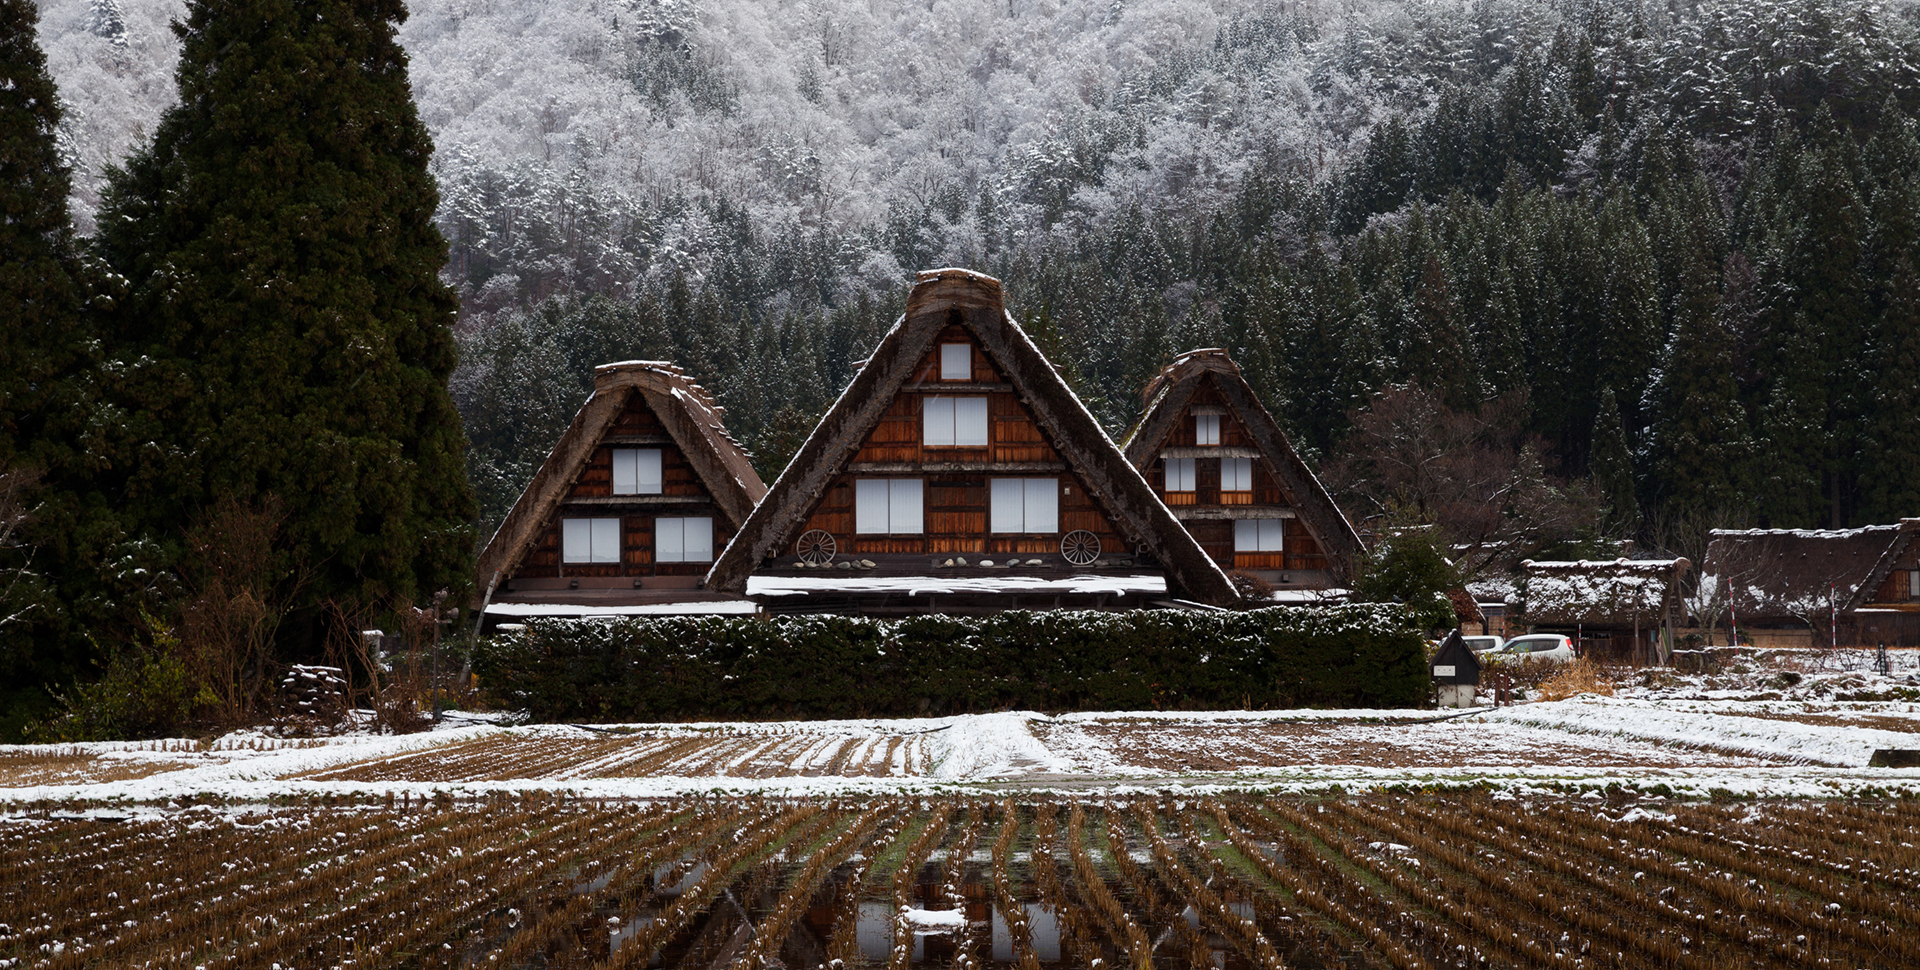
(284, 331)
(38, 288)
(43, 343)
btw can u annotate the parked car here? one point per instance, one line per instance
(1536, 646)
(1483, 644)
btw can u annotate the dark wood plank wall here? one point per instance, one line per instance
(635, 427)
(1216, 536)
(956, 504)
(1894, 588)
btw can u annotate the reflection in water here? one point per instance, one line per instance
(683, 884)
(623, 933)
(1046, 934)
(873, 930)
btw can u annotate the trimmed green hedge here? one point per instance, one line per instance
(718, 668)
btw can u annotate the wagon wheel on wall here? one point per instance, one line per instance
(1080, 547)
(815, 547)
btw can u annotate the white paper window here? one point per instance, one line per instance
(1025, 505)
(1206, 429)
(1236, 474)
(589, 540)
(1180, 474)
(956, 362)
(1259, 535)
(636, 471)
(683, 539)
(887, 506)
(1913, 584)
(954, 421)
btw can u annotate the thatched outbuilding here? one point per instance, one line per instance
(1624, 608)
(1815, 586)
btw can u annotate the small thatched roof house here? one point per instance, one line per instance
(1622, 607)
(1859, 586)
(958, 473)
(629, 508)
(1216, 457)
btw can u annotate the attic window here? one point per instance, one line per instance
(590, 540)
(1206, 429)
(955, 421)
(1236, 474)
(887, 506)
(956, 362)
(1026, 505)
(683, 539)
(636, 471)
(1913, 584)
(1259, 535)
(1180, 476)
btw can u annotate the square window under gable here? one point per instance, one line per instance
(636, 471)
(588, 541)
(956, 362)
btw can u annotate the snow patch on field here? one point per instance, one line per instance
(1655, 721)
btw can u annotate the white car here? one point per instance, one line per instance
(1483, 644)
(1536, 646)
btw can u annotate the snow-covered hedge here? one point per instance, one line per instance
(674, 668)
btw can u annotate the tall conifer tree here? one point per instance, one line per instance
(285, 332)
(43, 343)
(38, 289)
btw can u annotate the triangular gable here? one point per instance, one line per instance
(1169, 397)
(690, 419)
(940, 300)
(1864, 593)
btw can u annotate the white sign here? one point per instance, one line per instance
(1443, 670)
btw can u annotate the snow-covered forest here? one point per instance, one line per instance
(1671, 246)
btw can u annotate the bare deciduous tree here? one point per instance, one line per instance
(1475, 474)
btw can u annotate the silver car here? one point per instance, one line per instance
(1536, 646)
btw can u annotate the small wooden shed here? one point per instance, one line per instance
(1456, 672)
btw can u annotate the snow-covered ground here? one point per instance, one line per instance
(1686, 747)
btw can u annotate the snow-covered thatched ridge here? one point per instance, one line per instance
(1618, 591)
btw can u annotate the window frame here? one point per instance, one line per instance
(898, 495)
(1243, 472)
(596, 535)
(1187, 474)
(1039, 500)
(680, 523)
(643, 460)
(946, 362)
(1268, 535)
(946, 412)
(1206, 429)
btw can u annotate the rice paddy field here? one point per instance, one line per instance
(1458, 879)
(1676, 824)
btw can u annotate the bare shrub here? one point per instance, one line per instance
(239, 592)
(1582, 676)
(16, 557)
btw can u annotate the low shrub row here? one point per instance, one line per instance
(685, 668)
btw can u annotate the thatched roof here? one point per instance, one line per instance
(1788, 574)
(955, 296)
(1613, 592)
(691, 418)
(1167, 397)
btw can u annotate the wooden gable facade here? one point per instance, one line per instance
(1217, 458)
(630, 508)
(958, 452)
(956, 479)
